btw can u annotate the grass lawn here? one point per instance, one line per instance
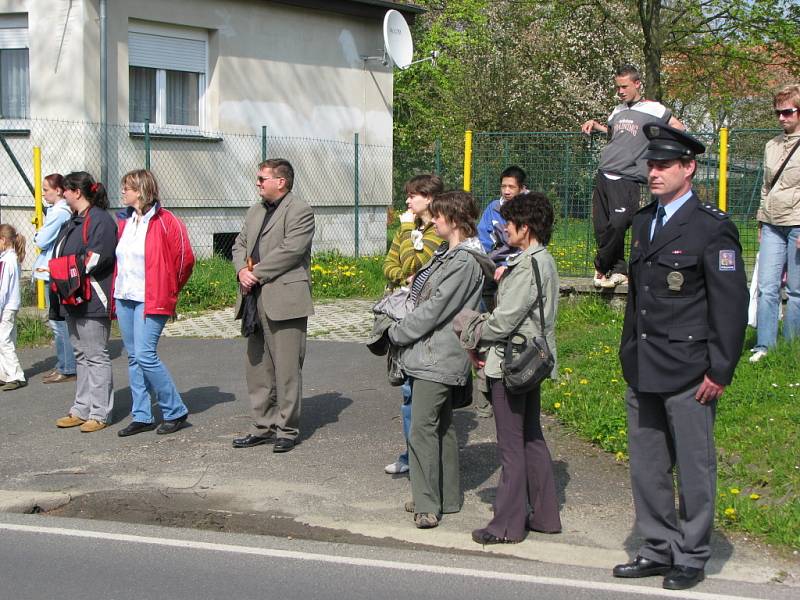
(757, 429)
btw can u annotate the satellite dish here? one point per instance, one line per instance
(397, 39)
(397, 43)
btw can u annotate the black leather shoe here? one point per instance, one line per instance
(250, 440)
(485, 538)
(135, 427)
(283, 445)
(641, 567)
(171, 426)
(683, 578)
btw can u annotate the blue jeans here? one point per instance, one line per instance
(65, 354)
(140, 334)
(405, 411)
(778, 248)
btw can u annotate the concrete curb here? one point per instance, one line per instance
(24, 501)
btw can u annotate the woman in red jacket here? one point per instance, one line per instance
(154, 261)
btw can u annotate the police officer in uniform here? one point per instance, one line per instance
(684, 329)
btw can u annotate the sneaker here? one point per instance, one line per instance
(409, 506)
(91, 425)
(426, 520)
(396, 468)
(69, 421)
(615, 280)
(13, 385)
(757, 356)
(598, 280)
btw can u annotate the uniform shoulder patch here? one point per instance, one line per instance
(713, 210)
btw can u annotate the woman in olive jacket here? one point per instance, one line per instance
(527, 475)
(430, 354)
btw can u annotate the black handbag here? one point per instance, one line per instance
(534, 362)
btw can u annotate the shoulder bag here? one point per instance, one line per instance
(534, 362)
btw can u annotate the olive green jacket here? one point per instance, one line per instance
(517, 298)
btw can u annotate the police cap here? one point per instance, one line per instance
(668, 143)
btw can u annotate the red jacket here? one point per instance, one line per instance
(168, 260)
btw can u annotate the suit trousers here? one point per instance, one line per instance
(275, 354)
(527, 476)
(614, 203)
(433, 449)
(673, 433)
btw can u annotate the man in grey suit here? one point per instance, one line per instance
(272, 257)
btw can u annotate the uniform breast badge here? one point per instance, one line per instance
(675, 281)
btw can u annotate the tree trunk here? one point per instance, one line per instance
(650, 16)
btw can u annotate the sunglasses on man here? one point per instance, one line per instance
(785, 112)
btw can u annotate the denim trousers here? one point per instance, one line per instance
(146, 372)
(778, 248)
(65, 354)
(405, 412)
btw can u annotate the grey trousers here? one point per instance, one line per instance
(275, 358)
(527, 476)
(433, 449)
(673, 433)
(94, 394)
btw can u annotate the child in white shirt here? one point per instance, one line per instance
(12, 252)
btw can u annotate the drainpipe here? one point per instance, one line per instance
(103, 92)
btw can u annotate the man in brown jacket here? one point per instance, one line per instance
(272, 256)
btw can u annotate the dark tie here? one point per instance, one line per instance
(659, 221)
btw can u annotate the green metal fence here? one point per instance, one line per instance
(208, 178)
(563, 166)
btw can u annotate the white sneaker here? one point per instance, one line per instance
(615, 280)
(598, 279)
(757, 356)
(396, 468)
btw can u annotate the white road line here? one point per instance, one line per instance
(377, 564)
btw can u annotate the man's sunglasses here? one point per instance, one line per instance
(786, 112)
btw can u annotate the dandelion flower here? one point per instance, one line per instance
(734, 491)
(567, 370)
(754, 496)
(557, 405)
(730, 512)
(584, 381)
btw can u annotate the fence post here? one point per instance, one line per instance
(437, 157)
(468, 160)
(38, 212)
(356, 192)
(147, 144)
(723, 169)
(263, 143)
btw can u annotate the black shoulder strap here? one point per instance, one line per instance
(540, 302)
(779, 172)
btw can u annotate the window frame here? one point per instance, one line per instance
(159, 125)
(20, 41)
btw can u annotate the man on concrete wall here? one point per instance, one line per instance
(272, 257)
(622, 170)
(684, 327)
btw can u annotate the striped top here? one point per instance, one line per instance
(403, 259)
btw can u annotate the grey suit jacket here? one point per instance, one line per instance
(284, 268)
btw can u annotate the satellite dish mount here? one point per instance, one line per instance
(398, 47)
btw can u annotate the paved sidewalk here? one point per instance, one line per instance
(338, 321)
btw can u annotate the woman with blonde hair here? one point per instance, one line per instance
(12, 253)
(154, 261)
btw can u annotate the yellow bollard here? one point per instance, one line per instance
(468, 160)
(38, 218)
(723, 169)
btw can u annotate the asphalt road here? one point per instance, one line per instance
(59, 558)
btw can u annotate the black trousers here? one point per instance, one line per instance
(614, 202)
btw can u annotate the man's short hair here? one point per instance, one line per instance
(789, 93)
(282, 168)
(628, 70)
(517, 173)
(424, 185)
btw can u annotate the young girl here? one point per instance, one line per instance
(12, 252)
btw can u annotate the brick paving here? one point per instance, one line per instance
(340, 321)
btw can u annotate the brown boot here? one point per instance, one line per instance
(92, 425)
